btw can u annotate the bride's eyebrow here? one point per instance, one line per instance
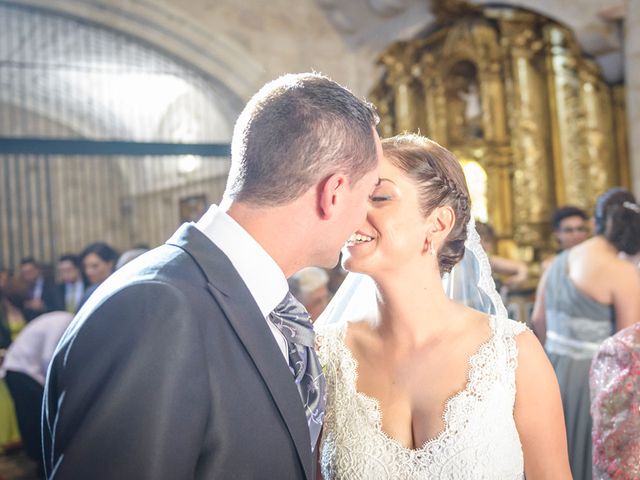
(384, 180)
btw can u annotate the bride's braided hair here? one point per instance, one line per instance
(440, 182)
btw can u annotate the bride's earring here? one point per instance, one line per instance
(432, 250)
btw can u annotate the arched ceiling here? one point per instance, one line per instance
(374, 24)
(164, 24)
(243, 44)
(94, 82)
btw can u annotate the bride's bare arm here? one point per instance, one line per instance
(538, 413)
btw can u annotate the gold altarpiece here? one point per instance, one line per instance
(511, 90)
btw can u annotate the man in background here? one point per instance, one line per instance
(42, 292)
(71, 286)
(570, 227)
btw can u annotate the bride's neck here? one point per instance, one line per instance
(413, 310)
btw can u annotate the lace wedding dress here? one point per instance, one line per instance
(479, 440)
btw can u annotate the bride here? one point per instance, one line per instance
(421, 386)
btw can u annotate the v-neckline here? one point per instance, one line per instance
(448, 404)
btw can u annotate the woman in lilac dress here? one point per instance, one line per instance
(615, 406)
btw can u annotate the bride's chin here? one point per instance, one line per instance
(351, 264)
(348, 263)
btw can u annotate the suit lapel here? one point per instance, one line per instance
(244, 316)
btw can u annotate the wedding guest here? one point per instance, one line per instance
(12, 319)
(310, 287)
(615, 406)
(24, 370)
(71, 285)
(9, 431)
(586, 294)
(98, 262)
(570, 227)
(43, 294)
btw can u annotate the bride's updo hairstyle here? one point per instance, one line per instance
(440, 181)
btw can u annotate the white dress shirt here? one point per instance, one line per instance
(260, 273)
(32, 350)
(36, 291)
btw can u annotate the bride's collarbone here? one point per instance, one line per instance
(453, 349)
(412, 388)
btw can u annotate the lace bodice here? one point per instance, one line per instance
(479, 439)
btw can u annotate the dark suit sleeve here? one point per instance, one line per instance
(53, 297)
(50, 297)
(127, 395)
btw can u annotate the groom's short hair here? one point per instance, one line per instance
(295, 131)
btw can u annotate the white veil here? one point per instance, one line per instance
(469, 282)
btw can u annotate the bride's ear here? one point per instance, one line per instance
(439, 224)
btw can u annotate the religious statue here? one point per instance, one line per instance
(472, 121)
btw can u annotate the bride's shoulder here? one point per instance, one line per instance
(509, 328)
(534, 370)
(517, 338)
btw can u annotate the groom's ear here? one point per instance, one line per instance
(330, 191)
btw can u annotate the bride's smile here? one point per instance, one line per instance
(394, 232)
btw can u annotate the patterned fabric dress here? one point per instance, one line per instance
(479, 440)
(615, 407)
(576, 326)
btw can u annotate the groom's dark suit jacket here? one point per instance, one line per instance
(170, 372)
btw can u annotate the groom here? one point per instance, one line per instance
(178, 366)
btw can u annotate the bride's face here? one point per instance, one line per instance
(394, 231)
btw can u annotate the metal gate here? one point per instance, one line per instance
(102, 137)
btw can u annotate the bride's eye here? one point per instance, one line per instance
(380, 198)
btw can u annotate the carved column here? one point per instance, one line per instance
(596, 100)
(434, 99)
(399, 66)
(381, 98)
(632, 79)
(497, 161)
(489, 60)
(533, 172)
(621, 138)
(567, 119)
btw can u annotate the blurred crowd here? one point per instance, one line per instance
(36, 306)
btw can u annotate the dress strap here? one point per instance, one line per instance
(515, 328)
(328, 340)
(505, 327)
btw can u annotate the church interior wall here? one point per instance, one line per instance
(244, 44)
